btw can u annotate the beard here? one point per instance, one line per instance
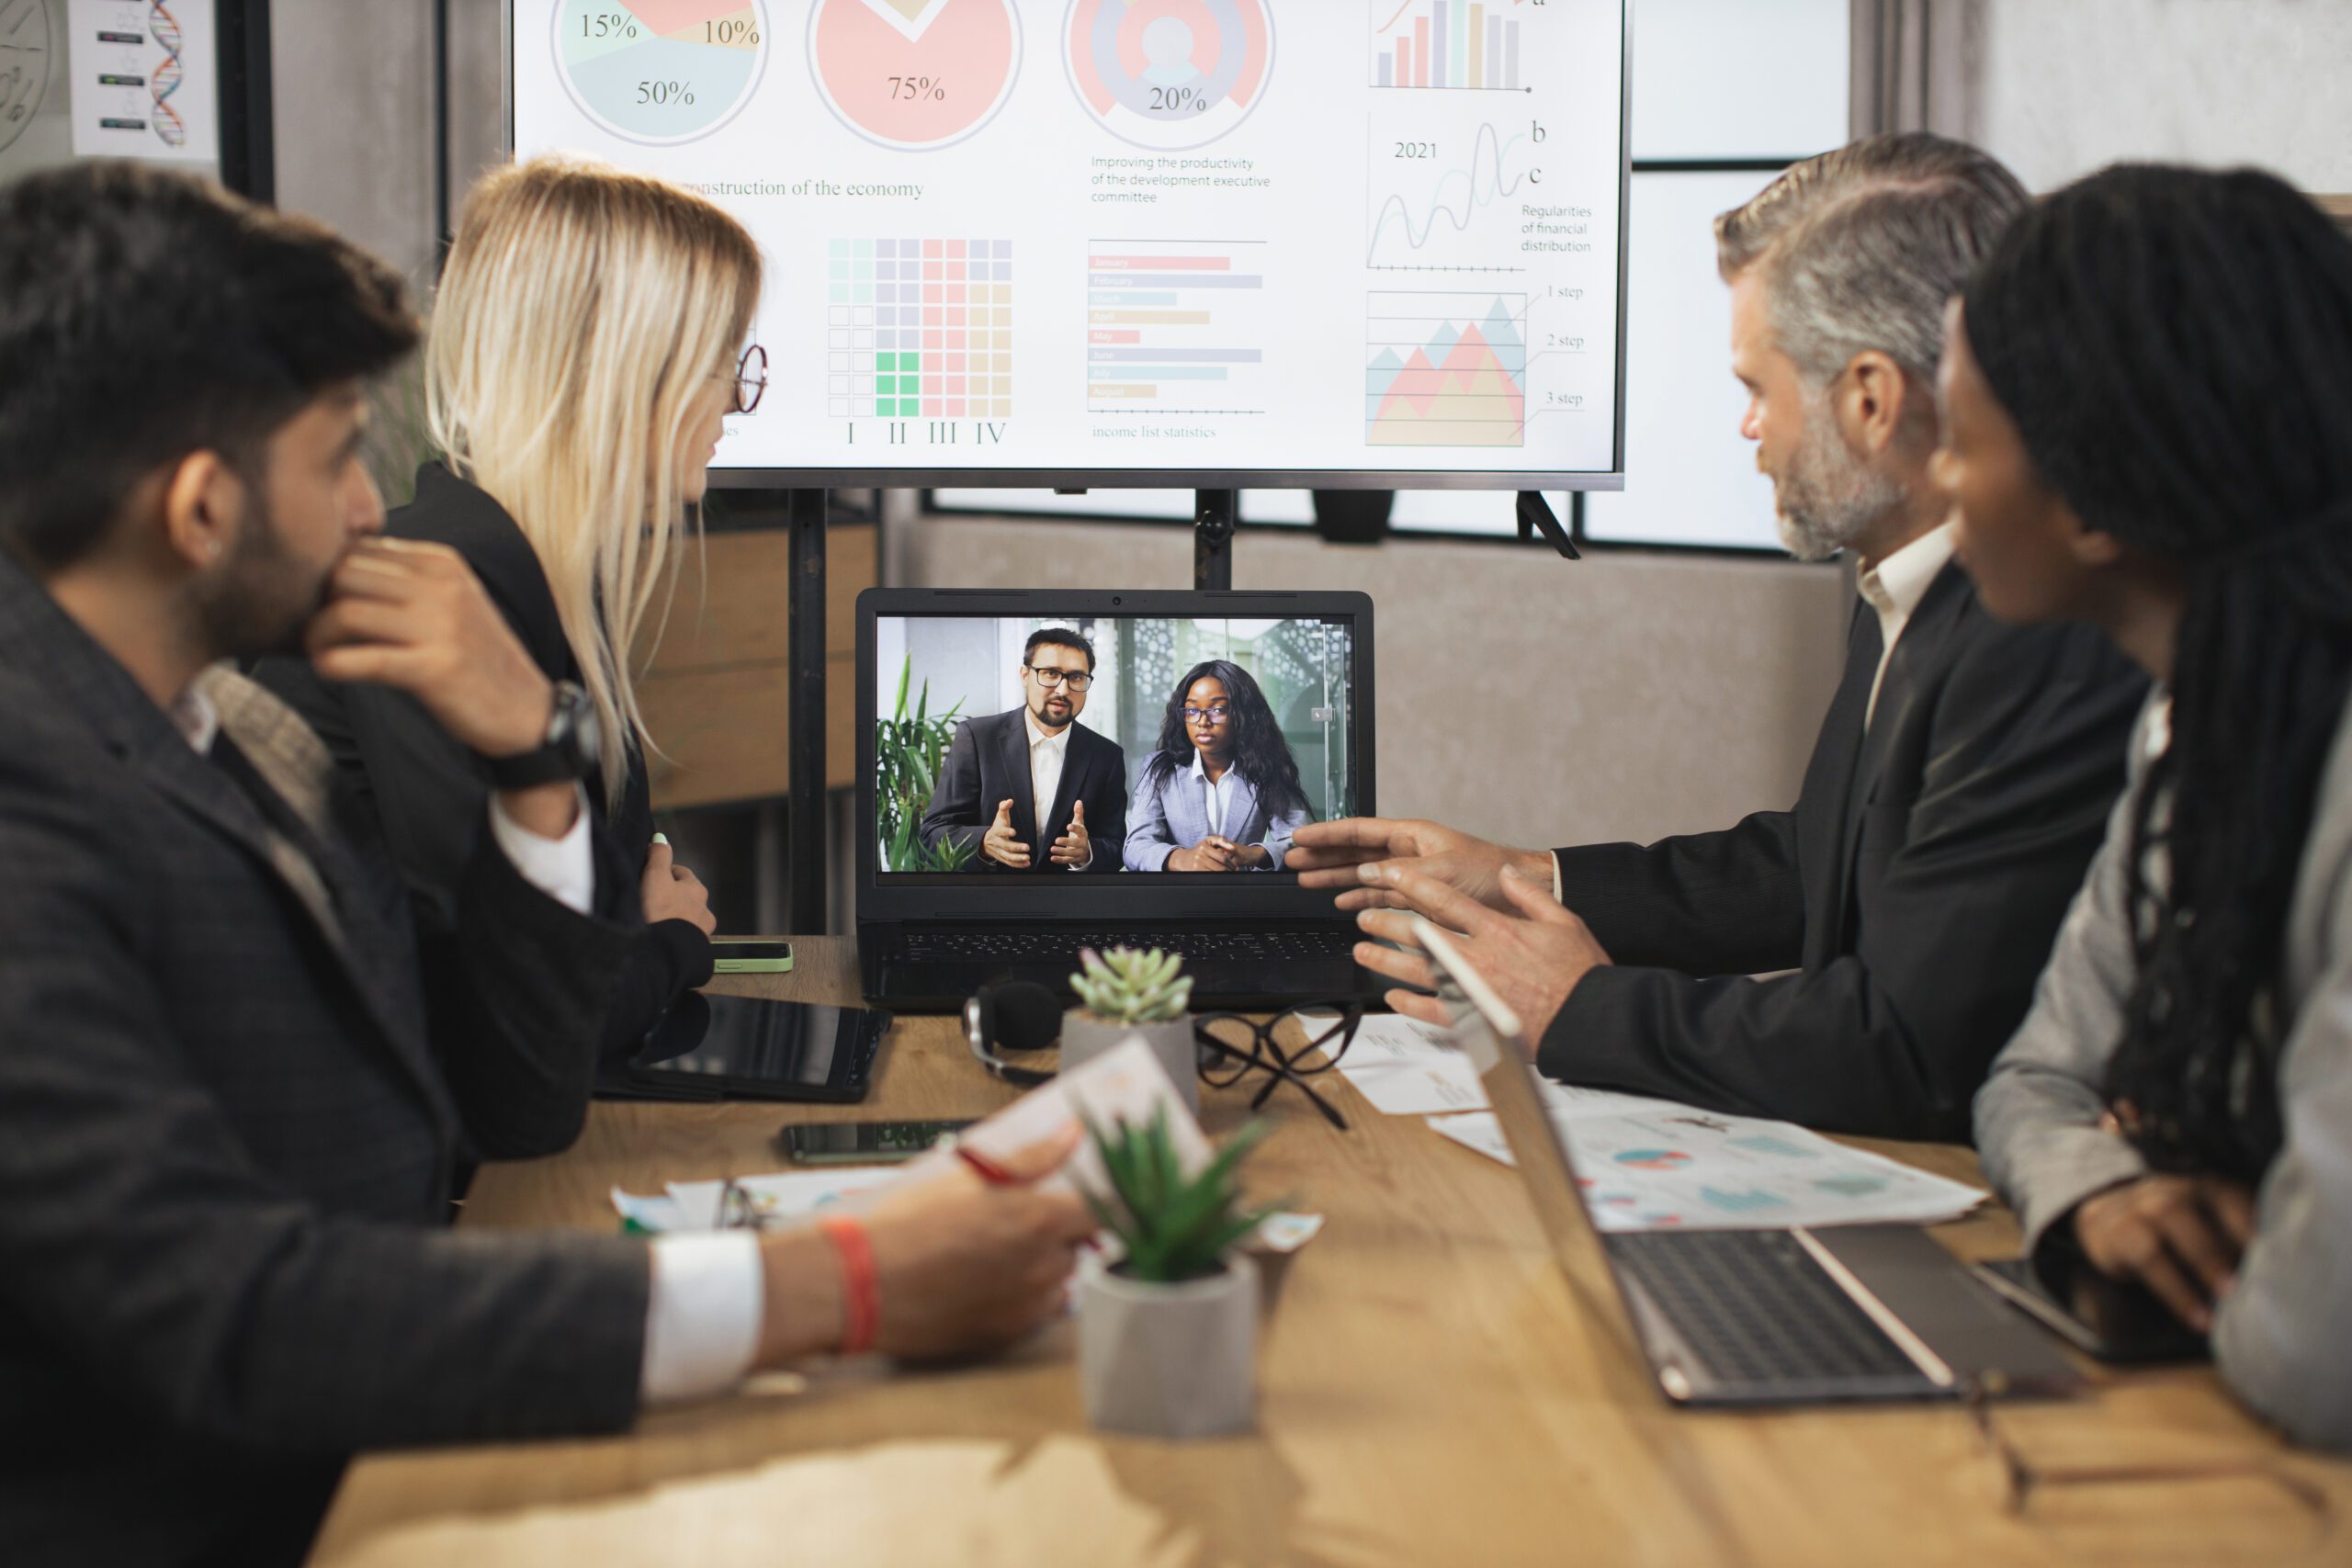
(264, 596)
(1828, 496)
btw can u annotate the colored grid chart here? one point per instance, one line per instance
(660, 71)
(1445, 370)
(919, 328)
(1176, 326)
(1445, 43)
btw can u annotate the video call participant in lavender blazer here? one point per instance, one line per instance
(1222, 792)
(632, 297)
(1959, 782)
(1006, 774)
(236, 1070)
(2176, 1110)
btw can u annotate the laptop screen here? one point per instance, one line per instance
(1107, 744)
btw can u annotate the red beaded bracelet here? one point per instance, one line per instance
(862, 1309)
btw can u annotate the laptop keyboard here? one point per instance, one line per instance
(1035, 946)
(1756, 1308)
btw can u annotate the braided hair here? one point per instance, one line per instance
(1261, 755)
(2175, 348)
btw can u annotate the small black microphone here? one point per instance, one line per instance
(1028, 1016)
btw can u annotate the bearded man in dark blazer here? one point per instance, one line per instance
(1032, 789)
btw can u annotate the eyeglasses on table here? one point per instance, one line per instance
(1234, 1046)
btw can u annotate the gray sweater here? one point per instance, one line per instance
(2280, 1338)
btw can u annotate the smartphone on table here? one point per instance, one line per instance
(862, 1142)
(749, 955)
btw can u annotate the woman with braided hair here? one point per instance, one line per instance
(2148, 400)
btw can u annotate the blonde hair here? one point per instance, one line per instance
(582, 313)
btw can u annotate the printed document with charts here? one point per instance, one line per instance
(1649, 1164)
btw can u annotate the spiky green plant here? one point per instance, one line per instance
(908, 750)
(1123, 985)
(1173, 1228)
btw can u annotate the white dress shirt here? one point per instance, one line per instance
(1219, 794)
(702, 1315)
(1046, 754)
(1894, 588)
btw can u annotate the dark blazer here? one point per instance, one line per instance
(234, 1076)
(433, 793)
(1917, 888)
(988, 760)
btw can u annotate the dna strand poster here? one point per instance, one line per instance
(145, 79)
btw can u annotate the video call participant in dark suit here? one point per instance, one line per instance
(1958, 785)
(632, 297)
(1009, 773)
(234, 1071)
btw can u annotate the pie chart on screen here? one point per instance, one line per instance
(660, 72)
(1168, 73)
(914, 75)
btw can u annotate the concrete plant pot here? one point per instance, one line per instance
(1169, 1360)
(1085, 1037)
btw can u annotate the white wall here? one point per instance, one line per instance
(2061, 87)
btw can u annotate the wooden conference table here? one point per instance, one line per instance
(1432, 1391)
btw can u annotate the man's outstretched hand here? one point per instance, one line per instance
(1533, 958)
(1343, 855)
(998, 843)
(1074, 849)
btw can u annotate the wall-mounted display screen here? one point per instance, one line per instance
(1191, 243)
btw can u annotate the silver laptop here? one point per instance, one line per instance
(1753, 1318)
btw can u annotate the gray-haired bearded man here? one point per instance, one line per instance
(1957, 790)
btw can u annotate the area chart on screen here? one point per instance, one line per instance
(1446, 371)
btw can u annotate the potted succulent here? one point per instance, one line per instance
(1124, 992)
(1167, 1334)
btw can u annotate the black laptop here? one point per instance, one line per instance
(1197, 730)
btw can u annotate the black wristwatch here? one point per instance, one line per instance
(570, 753)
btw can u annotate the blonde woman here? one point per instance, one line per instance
(586, 343)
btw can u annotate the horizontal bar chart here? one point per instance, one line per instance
(1175, 327)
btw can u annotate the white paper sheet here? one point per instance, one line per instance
(144, 80)
(1688, 1170)
(779, 1196)
(1125, 1084)
(1409, 1069)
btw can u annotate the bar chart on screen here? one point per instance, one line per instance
(1465, 45)
(1176, 326)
